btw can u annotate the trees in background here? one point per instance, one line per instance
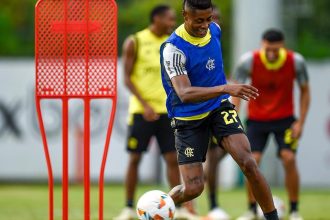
(310, 33)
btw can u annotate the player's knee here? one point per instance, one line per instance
(249, 166)
(288, 159)
(135, 159)
(194, 190)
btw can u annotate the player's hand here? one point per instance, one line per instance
(149, 114)
(242, 91)
(296, 128)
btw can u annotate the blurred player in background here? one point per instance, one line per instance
(273, 70)
(214, 156)
(147, 110)
(197, 101)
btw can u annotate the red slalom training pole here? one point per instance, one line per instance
(75, 58)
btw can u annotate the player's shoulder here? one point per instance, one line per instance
(247, 57)
(170, 48)
(298, 58)
(216, 25)
(142, 32)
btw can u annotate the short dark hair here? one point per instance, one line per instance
(158, 10)
(198, 4)
(273, 35)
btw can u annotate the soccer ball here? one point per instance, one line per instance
(279, 205)
(155, 205)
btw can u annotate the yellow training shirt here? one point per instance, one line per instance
(146, 72)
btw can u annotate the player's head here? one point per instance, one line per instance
(272, 42)
(197, 16)
(163, 17)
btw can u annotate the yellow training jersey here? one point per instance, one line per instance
(146, 72)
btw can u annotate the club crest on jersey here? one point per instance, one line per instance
(189, 152)
(210, 65)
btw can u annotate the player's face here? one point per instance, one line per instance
(272, 49)
(197, 21)
(168, 21)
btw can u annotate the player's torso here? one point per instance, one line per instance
(204, 66)
(275, 89)
(146, 73)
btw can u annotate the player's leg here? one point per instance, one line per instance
(213, 157)
(251, 198)
(291, 178)
(228, 129)
(287, 152)
(165, 138)
(132, 177)
(166, 141)
(191, 141)
(139, 134)
(237, 145)
(257, 133)
(193, 183)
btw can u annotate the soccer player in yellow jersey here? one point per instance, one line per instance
(147, 109)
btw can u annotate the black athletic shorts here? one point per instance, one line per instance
(192, 137)
(141, 131)
(213, 142)
(259, 131)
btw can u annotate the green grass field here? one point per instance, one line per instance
(30, 202)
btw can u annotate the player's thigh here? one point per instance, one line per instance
(215, 152)
(238, 146)
(225, 122)
(191, 140)
(257, 133)
(283, 135)
(139, 134)
(165, 134)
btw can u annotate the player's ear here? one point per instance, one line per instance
(156, 19)
(184, 14)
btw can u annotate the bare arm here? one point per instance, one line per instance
(302, 79)
(174, 61)
(188, 93)
(241, 73)
(236, 101)
(129, 58)
(297, 127)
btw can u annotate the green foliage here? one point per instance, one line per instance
(17, 27)
(17, 22)
(314, 31)
(134, 16)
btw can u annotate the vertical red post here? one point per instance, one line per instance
(87, 159)
(65, 160)
(76, 58)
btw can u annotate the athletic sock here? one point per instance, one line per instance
(271, 215)
(293, 206)
(213, 201)
(129, 203)
(253, 207)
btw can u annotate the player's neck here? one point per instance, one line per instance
(156, 31)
